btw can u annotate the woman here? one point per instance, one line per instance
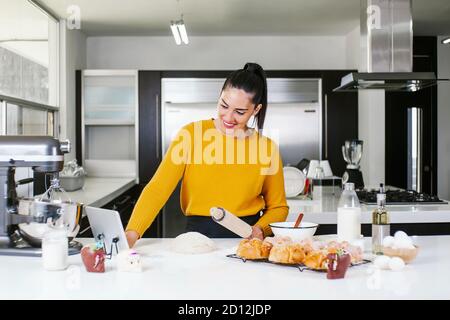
(222, 163)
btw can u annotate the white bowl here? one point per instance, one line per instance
(306, 230)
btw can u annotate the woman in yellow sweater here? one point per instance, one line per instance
(222, 163)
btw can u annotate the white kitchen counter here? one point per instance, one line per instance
(323, 210)
(169, 275)
(97, 192)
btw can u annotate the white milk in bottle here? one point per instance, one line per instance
(349, 215)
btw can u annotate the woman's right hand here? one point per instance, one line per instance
(132, 237)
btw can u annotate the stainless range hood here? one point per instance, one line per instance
(386, 40)
(389, 81)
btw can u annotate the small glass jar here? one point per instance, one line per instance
(55, 249)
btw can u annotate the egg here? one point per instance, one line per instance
(388, 241)
(400, 235)
(396, 264)
(403, 243)
(382, 262)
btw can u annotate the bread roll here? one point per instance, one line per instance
(253, 249)
(316, 260)
(279, 254)
(297, 254)
(289, 254)
(278, 241)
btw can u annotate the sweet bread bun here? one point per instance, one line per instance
(297, 254)
(253, 249)
(278, 241)
(316, 260)
(289, 254)
(307, 246)
(279, 254)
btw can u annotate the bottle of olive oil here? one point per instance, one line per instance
(381, 227)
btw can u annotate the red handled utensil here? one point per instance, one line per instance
(299, 220)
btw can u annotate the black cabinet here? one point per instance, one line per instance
(340, 119)
(124, 204)
(150, 136)
(397, 105)
(419, 229)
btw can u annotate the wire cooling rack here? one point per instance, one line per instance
(300, 267)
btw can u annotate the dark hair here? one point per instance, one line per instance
(251, 79)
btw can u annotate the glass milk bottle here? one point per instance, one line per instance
(349, 215)
(55, 249)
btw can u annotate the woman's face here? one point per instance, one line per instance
(235, 109)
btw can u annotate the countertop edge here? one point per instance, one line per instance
(110, 196)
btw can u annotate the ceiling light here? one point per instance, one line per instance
(446, 40)
(175, 33)
(179, 32)
(183, 33)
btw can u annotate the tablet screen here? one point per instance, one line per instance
(107, 225)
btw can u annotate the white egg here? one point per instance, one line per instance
(382, 262)
(396, 264)
(400, 235)
(403, 243)
(388, 241)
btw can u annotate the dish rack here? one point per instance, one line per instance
(300, 267)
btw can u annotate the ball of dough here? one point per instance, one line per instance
(193, 243)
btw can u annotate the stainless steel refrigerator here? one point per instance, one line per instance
(293, 119)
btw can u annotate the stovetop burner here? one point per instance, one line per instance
(398, 197)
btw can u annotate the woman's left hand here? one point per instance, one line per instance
(257, 232)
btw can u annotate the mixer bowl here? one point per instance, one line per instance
(48, 214)
(352, 151)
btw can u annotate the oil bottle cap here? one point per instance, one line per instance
(381, 199)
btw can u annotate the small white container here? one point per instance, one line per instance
(55, 249)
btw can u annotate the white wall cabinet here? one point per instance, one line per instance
(110, 123)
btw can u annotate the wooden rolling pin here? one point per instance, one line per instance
(231, 222)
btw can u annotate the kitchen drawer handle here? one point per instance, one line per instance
(124, 200)
(310, 111)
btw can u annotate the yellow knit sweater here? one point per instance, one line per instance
(242, 175)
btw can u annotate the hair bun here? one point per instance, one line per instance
(252, 67)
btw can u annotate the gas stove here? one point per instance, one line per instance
(398, 197)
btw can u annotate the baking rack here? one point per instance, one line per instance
(300, 267)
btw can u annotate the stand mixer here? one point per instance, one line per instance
(43, 154)
(352, 153)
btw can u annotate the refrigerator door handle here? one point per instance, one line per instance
(326, 126)
(157, 126)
